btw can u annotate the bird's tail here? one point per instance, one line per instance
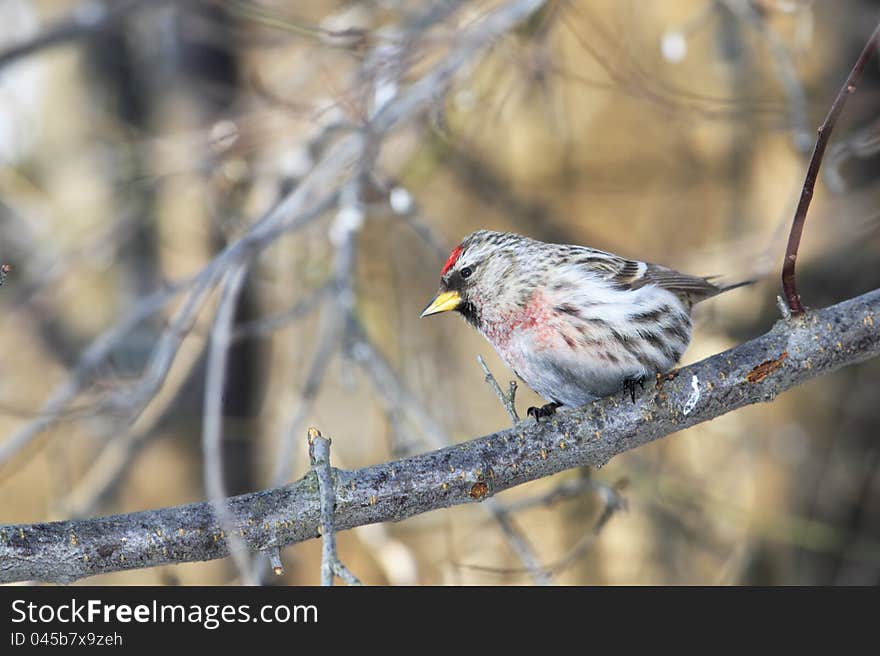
(720, 288)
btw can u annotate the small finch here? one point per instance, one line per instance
(574, 323)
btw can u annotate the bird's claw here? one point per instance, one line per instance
(544, 411)
(629, 386)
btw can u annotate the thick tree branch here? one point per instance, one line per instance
(793, 352)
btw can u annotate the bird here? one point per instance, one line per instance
(574, 323)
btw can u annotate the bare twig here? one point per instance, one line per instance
(319, 454)
(507, 400)
(330, 329)
(612, 502)
(862, 144)
(786, 356)
(265, 326)
(119, 452)
(789, 283)
(212, 432)
(275, 561)
(567, 489)
(512, 533)
(106, 472)
(392, 392)
(401, 203)
(488, 29)
(100, 349)
(785, 70)
(784, 310)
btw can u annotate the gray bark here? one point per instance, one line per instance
(793, 352)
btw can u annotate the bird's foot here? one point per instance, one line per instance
(544, 411)
(629, 386)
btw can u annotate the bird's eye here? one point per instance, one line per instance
(466, 272)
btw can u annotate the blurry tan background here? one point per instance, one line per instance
(675, 131)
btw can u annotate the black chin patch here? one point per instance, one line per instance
(469, 312)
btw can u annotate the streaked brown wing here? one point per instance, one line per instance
(632, 274)
(693, 288)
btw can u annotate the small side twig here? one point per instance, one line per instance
(789, 284)
(515, 538)
(319, 455)
(275, 561)
(507, 400)
(784, 310)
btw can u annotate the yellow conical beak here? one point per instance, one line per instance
(443, 302)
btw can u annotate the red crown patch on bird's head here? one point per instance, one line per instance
(453, 258)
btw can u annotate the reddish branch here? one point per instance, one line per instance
(789, 285)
